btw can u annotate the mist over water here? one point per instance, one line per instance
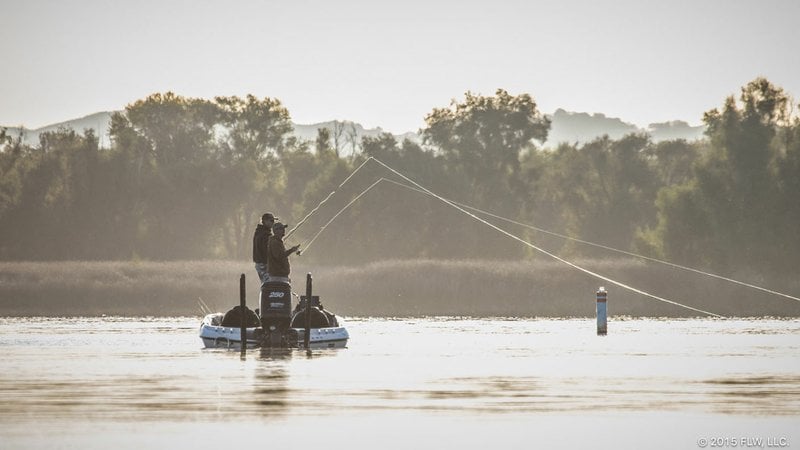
(146, 381)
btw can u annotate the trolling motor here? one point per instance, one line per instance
(275, 303)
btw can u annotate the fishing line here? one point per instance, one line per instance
(203, 306)
(556, 257)
(203, 309)
(458, 206)
(299, 224)
(308, 243)
(677, 266)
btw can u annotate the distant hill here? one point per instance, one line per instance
(580, 127)
(676, 129)
(566, 126)
(346, 133)
(577, 127)
(99, 122)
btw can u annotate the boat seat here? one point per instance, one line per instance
(318, 319)
(233, 318)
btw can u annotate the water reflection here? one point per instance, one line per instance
(275, 354)
(778, 395)
(140, 370)
(271, 385)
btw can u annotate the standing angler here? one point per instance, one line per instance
(278, 255)
(261, 245)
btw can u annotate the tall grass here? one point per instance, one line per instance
(385, 288)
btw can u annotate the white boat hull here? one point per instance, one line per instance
(215, 335)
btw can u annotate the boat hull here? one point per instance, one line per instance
(214, 335)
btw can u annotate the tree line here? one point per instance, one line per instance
(188, 178)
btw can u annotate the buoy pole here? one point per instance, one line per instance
(242, 310)
(308, 311)
(602, 311)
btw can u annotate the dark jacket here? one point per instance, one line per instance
(261, 243)
(278, 265)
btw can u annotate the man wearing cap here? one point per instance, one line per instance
(278, 256)
(261, 244)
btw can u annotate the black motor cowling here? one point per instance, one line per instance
(275, 302)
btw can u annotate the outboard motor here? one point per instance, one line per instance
(275, 303)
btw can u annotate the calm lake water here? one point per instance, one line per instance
(404, 383)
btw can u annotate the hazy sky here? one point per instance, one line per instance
(389, 64)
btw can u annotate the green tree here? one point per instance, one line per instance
(177, 129)
(727, 217)
(481, 141)
(16, 161)
(170, 141)
(483, 137)
(788, 193)
(673, 160)
(254, 137)
(11, 151)
(255, 129)
(58, 206)
(599, 192)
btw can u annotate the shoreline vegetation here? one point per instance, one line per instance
(187, 178)
(392, 288)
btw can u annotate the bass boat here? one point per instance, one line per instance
(275, 324)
